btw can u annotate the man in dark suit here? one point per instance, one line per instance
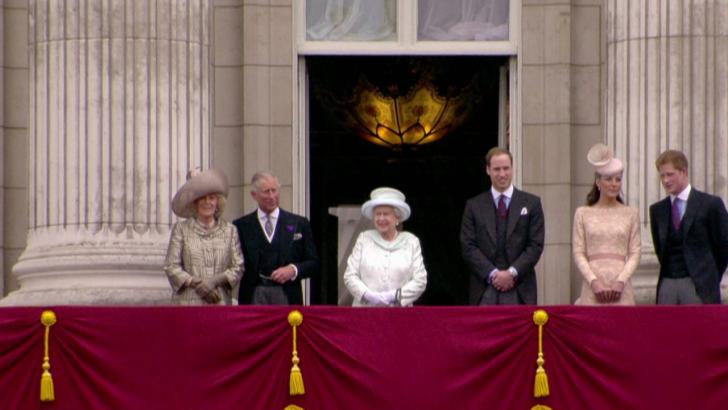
(502, 236)
(278, 248)
(690, 235)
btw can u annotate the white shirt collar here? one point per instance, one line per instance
(682, 195)
(273, 215)
(508, 193)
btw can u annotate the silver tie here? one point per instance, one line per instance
(268, 225)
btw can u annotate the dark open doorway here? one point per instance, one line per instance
(437, 178)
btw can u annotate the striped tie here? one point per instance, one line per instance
(268, 225)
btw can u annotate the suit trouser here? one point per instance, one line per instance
(493, 297)
(269, 295)
(679, 291)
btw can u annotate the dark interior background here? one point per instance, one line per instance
(436, 178)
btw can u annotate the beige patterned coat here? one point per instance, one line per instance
(198, 252)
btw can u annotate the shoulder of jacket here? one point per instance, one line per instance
(410, 236)
(290, 215)
(368, 234)
(661, 202)
(477, 198)
(527, 195)
(246, 217)
(227, 224)
(186, 222)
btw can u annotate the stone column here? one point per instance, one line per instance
(667, 87)
(547, 125)
(119, 112)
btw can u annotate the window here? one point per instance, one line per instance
(462, 20)
(482, 27)
(351, 20)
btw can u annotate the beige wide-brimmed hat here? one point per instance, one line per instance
(603, 160)
(386, 196)
(198, 184)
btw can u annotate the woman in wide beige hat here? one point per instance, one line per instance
(204, 261)
(606, 243)
(385, 267)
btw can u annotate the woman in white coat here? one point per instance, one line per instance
(386, 268)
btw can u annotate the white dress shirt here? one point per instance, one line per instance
(273, 219)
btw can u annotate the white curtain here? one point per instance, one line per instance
(463, 20)
(351, 20)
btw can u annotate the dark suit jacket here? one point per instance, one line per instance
(296, 246)
(705, 244)
(524, 241)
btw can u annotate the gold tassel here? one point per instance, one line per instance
(293, 407)
(541, 385)
(295, 318)
(48, 319)
(540, 407)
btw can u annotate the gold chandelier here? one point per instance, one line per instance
(418, 117)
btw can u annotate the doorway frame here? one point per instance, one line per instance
(405, 45)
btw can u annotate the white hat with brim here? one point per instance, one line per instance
(386, 196)
(603, 160)
(198, 185)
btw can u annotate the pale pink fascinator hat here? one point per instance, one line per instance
(603, 160)
(198, 184)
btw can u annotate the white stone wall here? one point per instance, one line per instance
(268, 102)
(561, 117)
(253, 96)
(228, 94)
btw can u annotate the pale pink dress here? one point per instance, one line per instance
(606, 245)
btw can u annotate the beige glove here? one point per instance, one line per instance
(207, 288)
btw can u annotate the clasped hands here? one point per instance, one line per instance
(283, 274)
(607, 293)
(206, 288)
(386, 298)
(503, 280)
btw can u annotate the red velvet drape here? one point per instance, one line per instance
(416, 358)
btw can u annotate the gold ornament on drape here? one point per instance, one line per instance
(295, 318)
(48, 319)
(541, 386)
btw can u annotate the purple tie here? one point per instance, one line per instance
(502, 210)
(676, 214)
